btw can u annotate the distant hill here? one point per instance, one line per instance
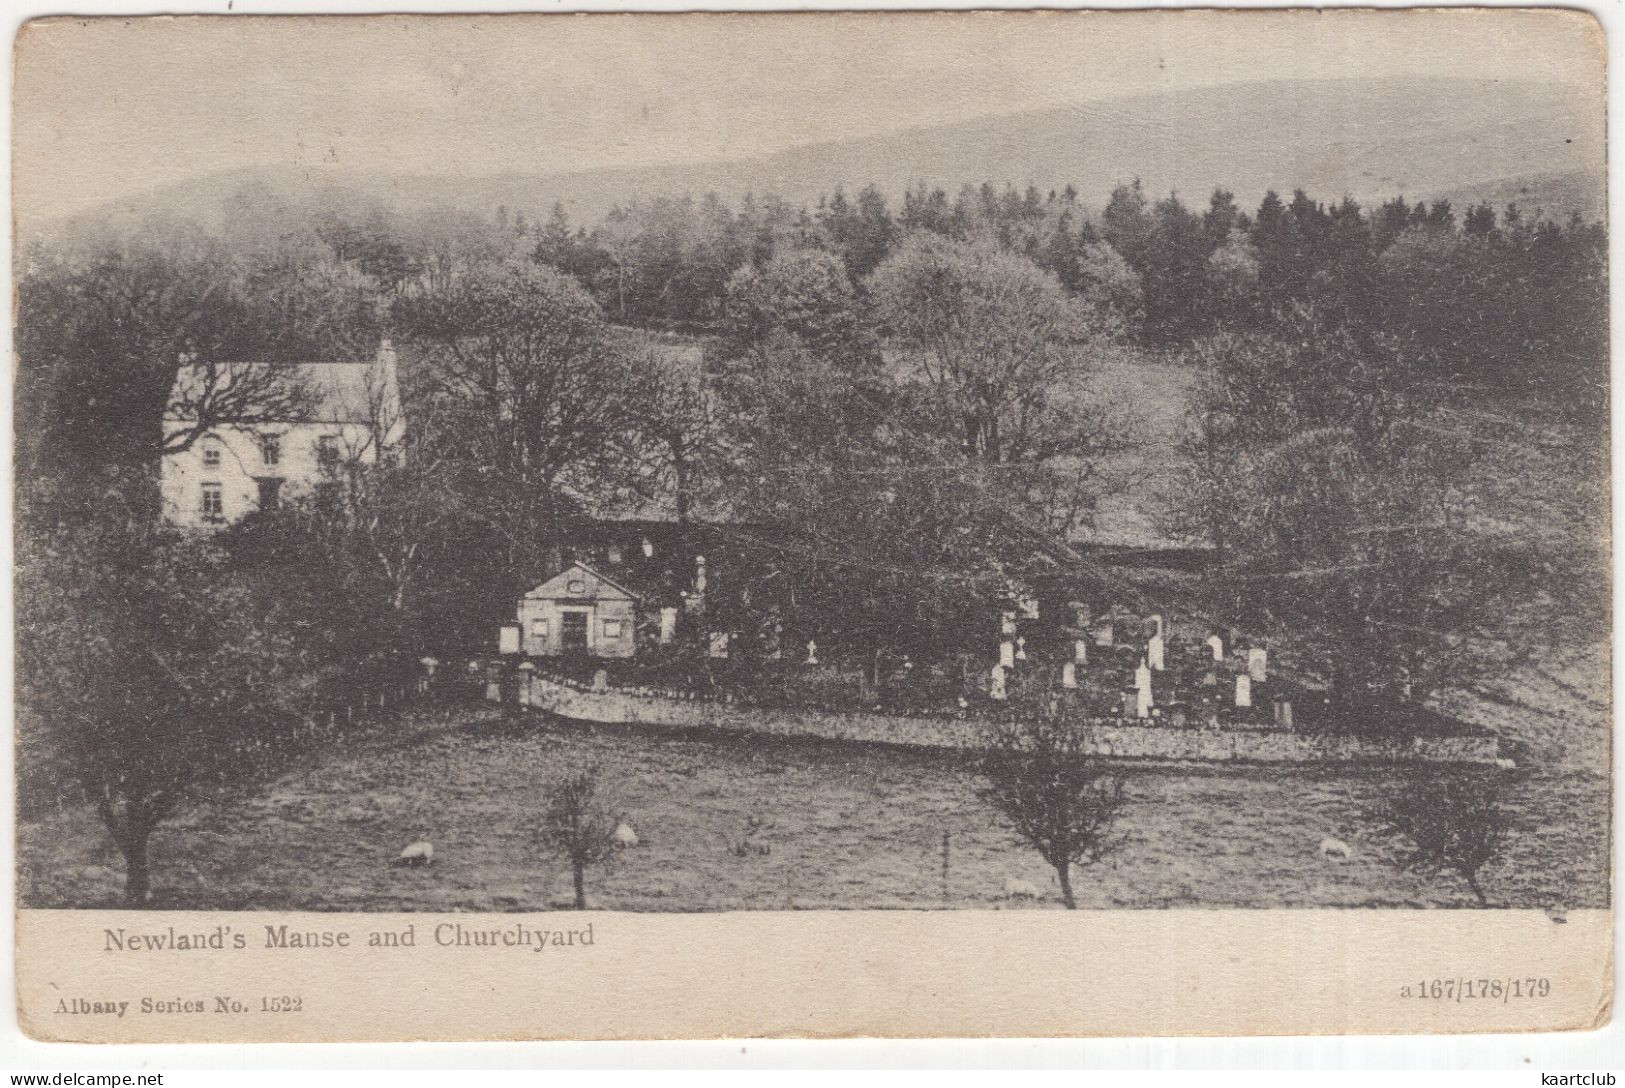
(1367, 138)
(1552, 196)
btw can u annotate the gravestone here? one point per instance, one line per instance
(1142, 686)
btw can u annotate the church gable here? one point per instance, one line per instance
(580, 582)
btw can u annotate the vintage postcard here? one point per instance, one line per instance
(861, 524)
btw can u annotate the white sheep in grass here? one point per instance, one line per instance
(1335, 849)
(417, 853)
(625, 836)
(1020, 889)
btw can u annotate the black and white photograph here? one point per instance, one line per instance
(565, 466)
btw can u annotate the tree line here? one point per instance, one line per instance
(1482, 296)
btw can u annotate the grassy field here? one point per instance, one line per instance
(757, 824)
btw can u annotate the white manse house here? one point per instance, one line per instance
(348, 414)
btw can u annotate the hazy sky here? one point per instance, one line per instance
(109, 106)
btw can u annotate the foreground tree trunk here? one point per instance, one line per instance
(137, 873)
(581, 884)
(132, 830)
(1064, 872)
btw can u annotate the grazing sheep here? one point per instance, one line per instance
(1335, 849)
(417, 853)
(625, 836)
(1020, 889)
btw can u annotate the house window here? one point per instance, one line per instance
(612, 628)
(271, 449)
(211, 453)
(213, 507)
(327, 450)
(538, 628)
(270, 492)
(578, 587)
(327, 494)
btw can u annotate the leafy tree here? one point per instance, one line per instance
(1060, 801)
(996, 356)
(1451, 822)
(682, 428)
(1322, 465)
(1106, 281)
(533, 391)
(100, 342)
(1125, 224)
(797, 292)
(152, 669)
(1233, 274)
(577, 825)
(991, 336)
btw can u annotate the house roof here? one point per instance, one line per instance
(546, 589)
(335, 392)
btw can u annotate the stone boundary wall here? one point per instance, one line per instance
(1106, 738)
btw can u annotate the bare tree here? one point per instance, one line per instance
(121, 353)
(1056, 796)
(210, 396)
(578, 826)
